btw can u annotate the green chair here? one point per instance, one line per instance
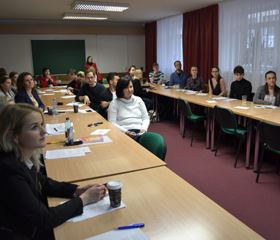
(155, 143)
(269, 134)
(228, 124)
(187, 113)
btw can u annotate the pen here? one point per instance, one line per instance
(54, 142)
(55, 129)
(137, 225)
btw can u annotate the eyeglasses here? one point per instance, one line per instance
(215, 71)
(90, 77)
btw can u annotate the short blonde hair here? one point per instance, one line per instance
(12, 120)
(137, 72)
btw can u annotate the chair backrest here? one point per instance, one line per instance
(155, 143)
(225, 117)
(269, 134)
(185, 107)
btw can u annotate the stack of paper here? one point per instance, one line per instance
(67, 152)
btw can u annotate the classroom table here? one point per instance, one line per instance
(169, 206)
(119, 156)
(201, 100)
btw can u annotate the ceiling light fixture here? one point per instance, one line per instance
(99, 6)
(82, 16)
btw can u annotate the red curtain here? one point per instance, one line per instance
(150, 46)
(200, 40)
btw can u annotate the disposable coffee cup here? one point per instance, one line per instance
(50, 110)
(115, 193)
(76, 107)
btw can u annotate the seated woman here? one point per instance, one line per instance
(138, 78)
(46, 80)
(128, 112)
(26, 91)
(195, 82)
(14, 76)
(24, 212)
(217, 85)
(131, 72)
(268, 94)
(6, 87)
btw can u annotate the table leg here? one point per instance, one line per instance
(208, 126)
(257, 146)
(249, 138)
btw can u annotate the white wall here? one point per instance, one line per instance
(109, 52)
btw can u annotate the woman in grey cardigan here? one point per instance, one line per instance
(268, 94)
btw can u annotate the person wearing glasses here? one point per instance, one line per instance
(91, 91)
(26, 91)
(217, 85)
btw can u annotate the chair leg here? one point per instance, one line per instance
(260, 166)
(184, 127)
(218, 141)
(277, 165)
(193, 132)
(238, 150)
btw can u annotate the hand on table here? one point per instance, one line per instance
(93, 194)
(86, 100)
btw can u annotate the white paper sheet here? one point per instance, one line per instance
(220, 98)
(57, 128)
(128, 234)
(66, 153)
(100, 132)
(211, 101)
(48, 94)
(68, 96)
(72, 103)
(191, 92)
(230, 99)
(92, 210)
(266, 106)
(201, 94)
(241, 107)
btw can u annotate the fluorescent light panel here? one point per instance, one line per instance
(99, 6)
(83, 16)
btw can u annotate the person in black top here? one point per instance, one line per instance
(91, 91)
(216, 83)
(24, 212)
(75, 85)
(109, 94)
(241, 86)
(138, 89)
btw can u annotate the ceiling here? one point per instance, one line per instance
(140, 11)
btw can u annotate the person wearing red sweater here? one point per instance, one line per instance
(90, 64)
(46, 80)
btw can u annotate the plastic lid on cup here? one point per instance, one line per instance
(114, 185)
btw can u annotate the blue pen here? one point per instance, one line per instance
(137, 225)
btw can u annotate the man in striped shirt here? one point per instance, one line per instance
(156, 76)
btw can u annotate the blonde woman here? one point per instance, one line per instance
(24, 213)
(138, 78)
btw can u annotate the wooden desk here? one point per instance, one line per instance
(251, 113)
(169, 206)
(120, 156)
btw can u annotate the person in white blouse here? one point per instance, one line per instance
(128, 112)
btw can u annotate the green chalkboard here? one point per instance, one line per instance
(58, 55)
